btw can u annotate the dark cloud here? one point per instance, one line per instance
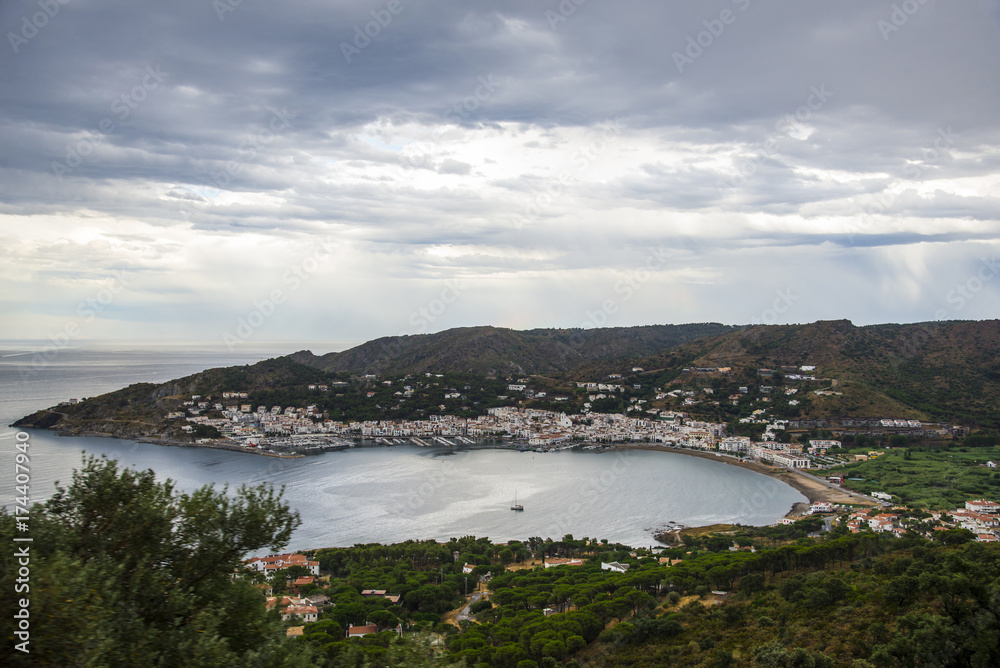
(453, 138)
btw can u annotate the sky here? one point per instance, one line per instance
(240, 170)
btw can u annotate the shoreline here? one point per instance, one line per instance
(813, 488)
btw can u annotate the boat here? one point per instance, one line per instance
(517, 506)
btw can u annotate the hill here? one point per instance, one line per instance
(942, 371)
(500, 351)
(938, 372)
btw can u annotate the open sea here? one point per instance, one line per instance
(380, 494)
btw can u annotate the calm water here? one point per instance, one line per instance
(390, 494)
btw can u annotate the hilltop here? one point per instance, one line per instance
(501, 351)
(942, 372)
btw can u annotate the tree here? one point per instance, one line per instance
(955, 536)
(127, 571)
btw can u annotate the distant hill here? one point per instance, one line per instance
(938, 371)
(499, 351)
(946, 370)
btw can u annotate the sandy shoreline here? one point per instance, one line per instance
(812, 488)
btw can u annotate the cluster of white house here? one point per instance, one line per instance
(780, 454)
(980, 516)
(269, 565)
(539, 428)
(548, 428)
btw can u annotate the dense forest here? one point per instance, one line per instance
(126, 571)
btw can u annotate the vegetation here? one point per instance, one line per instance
(927, 477)
(853, 600)
(942, 372)
(126, 571)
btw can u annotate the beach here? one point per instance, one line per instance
(813, 488)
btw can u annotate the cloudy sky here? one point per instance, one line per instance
(323, 170)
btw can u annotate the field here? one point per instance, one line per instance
(934, 477)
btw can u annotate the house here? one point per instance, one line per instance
(614, 566)
(821, 444)
(318, 600)
(359, 631)
(467, 568)
(279, 561)
(549, 563)
(380, 593)
(282, 602)
(821, 507)
(983, 506)
(307, 613)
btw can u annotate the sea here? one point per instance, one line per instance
(377, 494)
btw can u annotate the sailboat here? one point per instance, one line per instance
(517, 506)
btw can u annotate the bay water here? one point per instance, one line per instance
(381, 494)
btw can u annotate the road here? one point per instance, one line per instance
(465, 615)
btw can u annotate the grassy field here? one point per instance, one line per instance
(935, 477)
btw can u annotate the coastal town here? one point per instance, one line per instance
(278, 429)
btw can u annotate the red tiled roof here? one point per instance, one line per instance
(362, 630)
(301, 610)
